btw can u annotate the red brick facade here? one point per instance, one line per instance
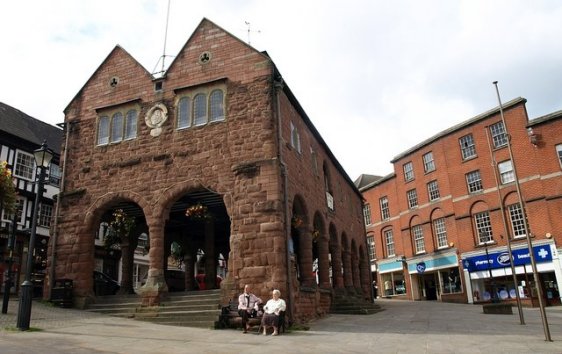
(255, 182)
(444, 273)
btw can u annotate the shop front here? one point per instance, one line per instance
(391, 278)
(489, 276)
(436, 277)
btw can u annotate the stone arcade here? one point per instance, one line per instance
(218, 131)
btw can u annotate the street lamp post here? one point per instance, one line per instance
(43, 158)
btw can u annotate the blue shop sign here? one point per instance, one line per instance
(420, 267)
(501, 259)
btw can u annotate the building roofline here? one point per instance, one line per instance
(457, 127)
(377, 182)
(545, 118)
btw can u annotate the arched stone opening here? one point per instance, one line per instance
(300, 246)
(196, 241)
(320, 252)
(336, 267)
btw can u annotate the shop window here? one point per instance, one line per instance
(393, 283)
(451, 281)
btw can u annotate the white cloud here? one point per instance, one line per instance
(376, 77)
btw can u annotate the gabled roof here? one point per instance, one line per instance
(25, 127)
(113, 51)
(377, 182)
(364, 180)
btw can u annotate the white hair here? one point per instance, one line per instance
(276, 291)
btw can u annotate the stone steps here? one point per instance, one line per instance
(189, 309)
(353, 306)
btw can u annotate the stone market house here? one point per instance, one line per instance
(215, 158)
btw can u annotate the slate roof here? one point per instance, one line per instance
(25, 127)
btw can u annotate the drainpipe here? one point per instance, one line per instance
(66, 126)
(278, 86)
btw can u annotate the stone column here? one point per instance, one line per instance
(347, 275)
(189, 261)
(364, 270)
(305, 257)
(323, 264)
(155, 285)
(355, 271)
(337, 276)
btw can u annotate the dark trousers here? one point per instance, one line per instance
(245, 315)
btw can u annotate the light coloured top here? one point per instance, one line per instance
(248, 302)
(274, 306)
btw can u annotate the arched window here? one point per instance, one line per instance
(131, 125)
(200, 109)
(216, 100)
(103, 130)
(117, 127)
(184, 113)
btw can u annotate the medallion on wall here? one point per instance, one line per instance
(155, 118)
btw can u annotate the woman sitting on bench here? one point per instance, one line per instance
(271, 312)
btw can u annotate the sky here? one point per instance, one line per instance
(375, 77)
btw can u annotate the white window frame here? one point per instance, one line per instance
(440, 230)
(104, 124)
(131, 119)
(412, 197)
(517, 223)
(419, 241)
(184, 109)
(468, 148)
(483, 227)
(408, 168)
(385, 209)
(499, 135)
(371, 244)
(118, 125)
(474, 184)
(25, 166)
(389, 243)
(505, 169)
(433, 190)
(45, 215)
(367, 214)
(428, 162)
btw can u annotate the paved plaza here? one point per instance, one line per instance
(403, 327)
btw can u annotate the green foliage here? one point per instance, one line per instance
(119, 229)
(7, 189)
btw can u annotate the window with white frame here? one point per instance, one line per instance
(295, 138)
(483, 227)
(468, 149)
(199, 107)
(371, 244)
(24, 165)
(389, 242)
(473, 181)
(440, 232)
(54, 174)
(412, 196)
(506, 172)
(428, 163)
(367, 214)
(385, 210)
(117, 125)
(433, 190)
(419, 244)
(517, 222)
(408, 171)
(499, 136)
(559, 152)
(45, 213)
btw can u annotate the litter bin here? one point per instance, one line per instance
(61, 295)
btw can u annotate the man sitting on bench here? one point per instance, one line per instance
(247, 306)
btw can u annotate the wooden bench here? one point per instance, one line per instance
(230, 318)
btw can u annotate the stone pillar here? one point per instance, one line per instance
(210, 259)
(347, 275)
(323, 264)
(189, 261)
(337, 276)
(364, 270)
(305, 257)
(355, 271)
(155, 286)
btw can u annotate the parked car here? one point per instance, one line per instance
(104, 284)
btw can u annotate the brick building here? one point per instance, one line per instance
(215, 158)
(435, 225)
